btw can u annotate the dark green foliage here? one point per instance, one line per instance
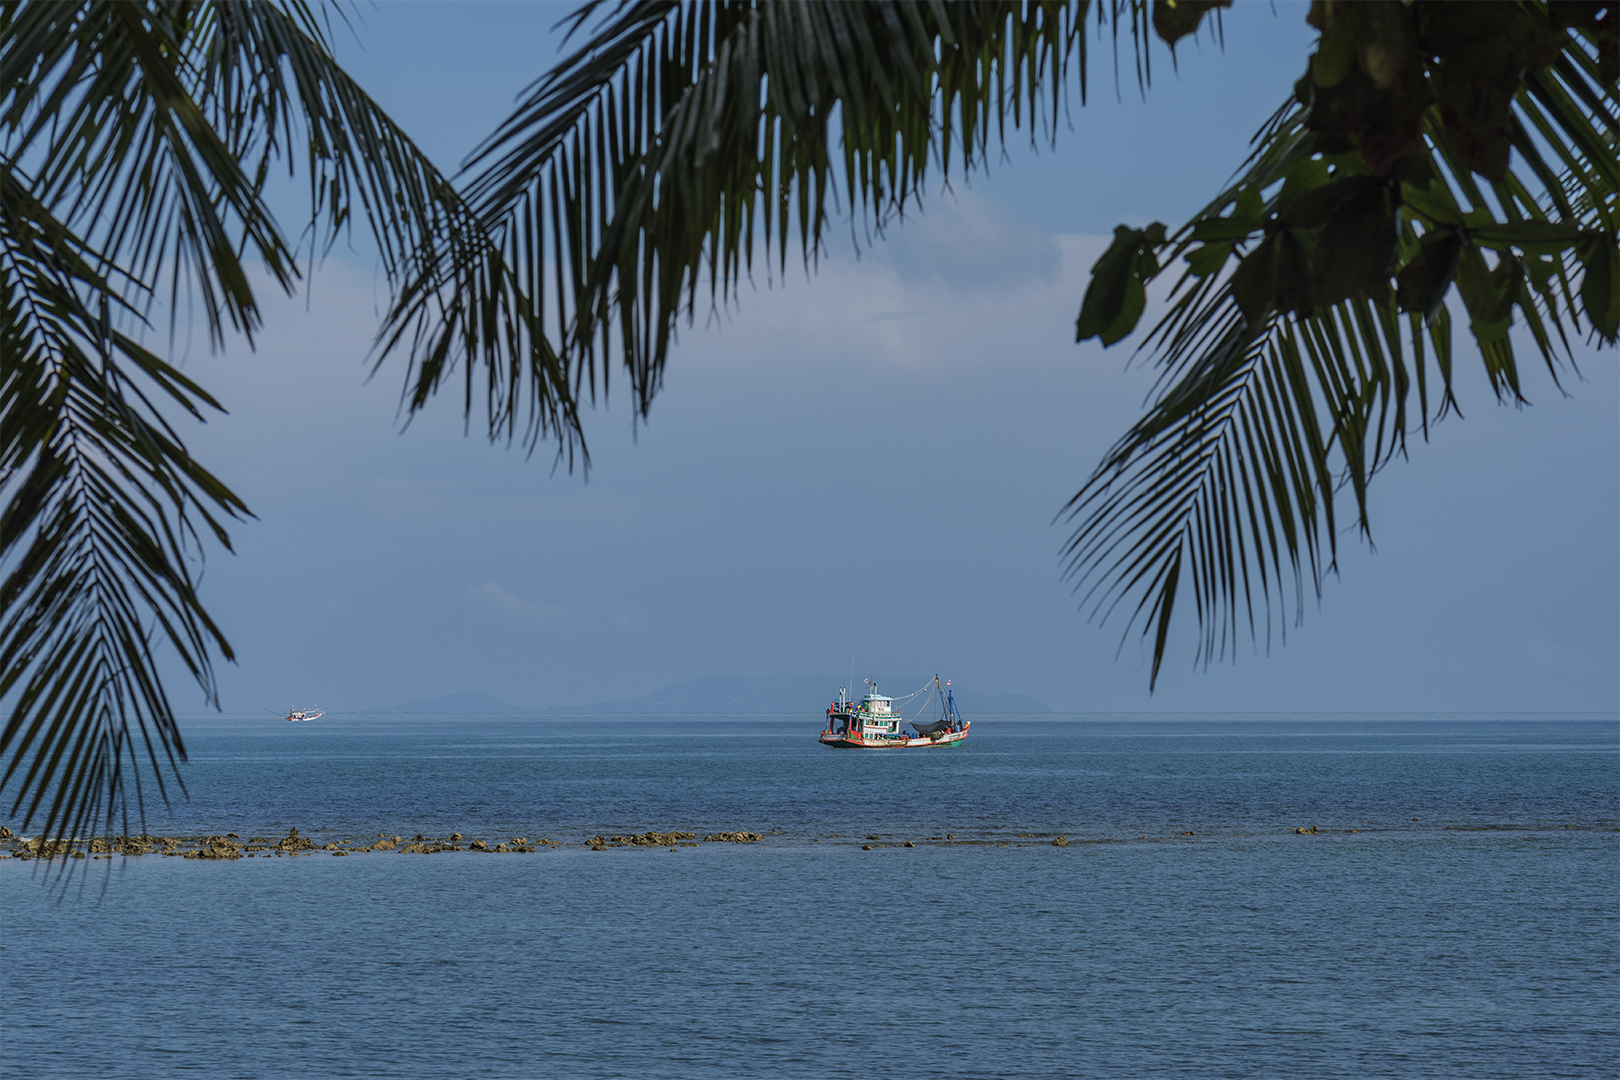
(1292, 378)
(1175, 19)
(679, 141)
(136, 139)
(1600, 285)
(1423, 282)
(1118, 290)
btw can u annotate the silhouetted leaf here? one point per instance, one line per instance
(1541, 236)
(1118, 291)
(1355, 252)
(1426, 279)
(1312, 208)
(1175, 19)
(1483, 49)
(1254, 282)
(1226, 228)
(1600, 289)
(1488, 294)
(1209, 258)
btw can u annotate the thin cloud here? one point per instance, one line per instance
(515, 613)
(971, 241)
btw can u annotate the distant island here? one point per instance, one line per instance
(738, 695)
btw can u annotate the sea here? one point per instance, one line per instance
(1321, 896)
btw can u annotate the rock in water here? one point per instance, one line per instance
(293, 842)
(217, 847)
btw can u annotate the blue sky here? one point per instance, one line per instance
(864, 464)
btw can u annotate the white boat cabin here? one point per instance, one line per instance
(874, 715)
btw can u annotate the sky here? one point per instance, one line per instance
(863, 468)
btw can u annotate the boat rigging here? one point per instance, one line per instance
(873, 724)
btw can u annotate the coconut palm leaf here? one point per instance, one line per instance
(135, 143)
(680, 140)
(1312, 304)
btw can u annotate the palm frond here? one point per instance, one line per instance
(679, 139)
(1288, 366)
(103, 517)
(136, 139)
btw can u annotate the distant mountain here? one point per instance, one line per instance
(783, 693)
(467, 703)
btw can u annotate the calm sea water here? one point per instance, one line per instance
(1469, 927)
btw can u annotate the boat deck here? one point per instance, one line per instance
(850, 740)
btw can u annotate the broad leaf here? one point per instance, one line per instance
(1117, 294)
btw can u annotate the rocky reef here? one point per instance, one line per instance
(231, 845)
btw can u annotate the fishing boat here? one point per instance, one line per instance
(874, 724)
(298, 716)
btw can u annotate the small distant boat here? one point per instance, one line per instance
(873, 724)
(299, 716)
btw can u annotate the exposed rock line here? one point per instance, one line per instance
(231, 846)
